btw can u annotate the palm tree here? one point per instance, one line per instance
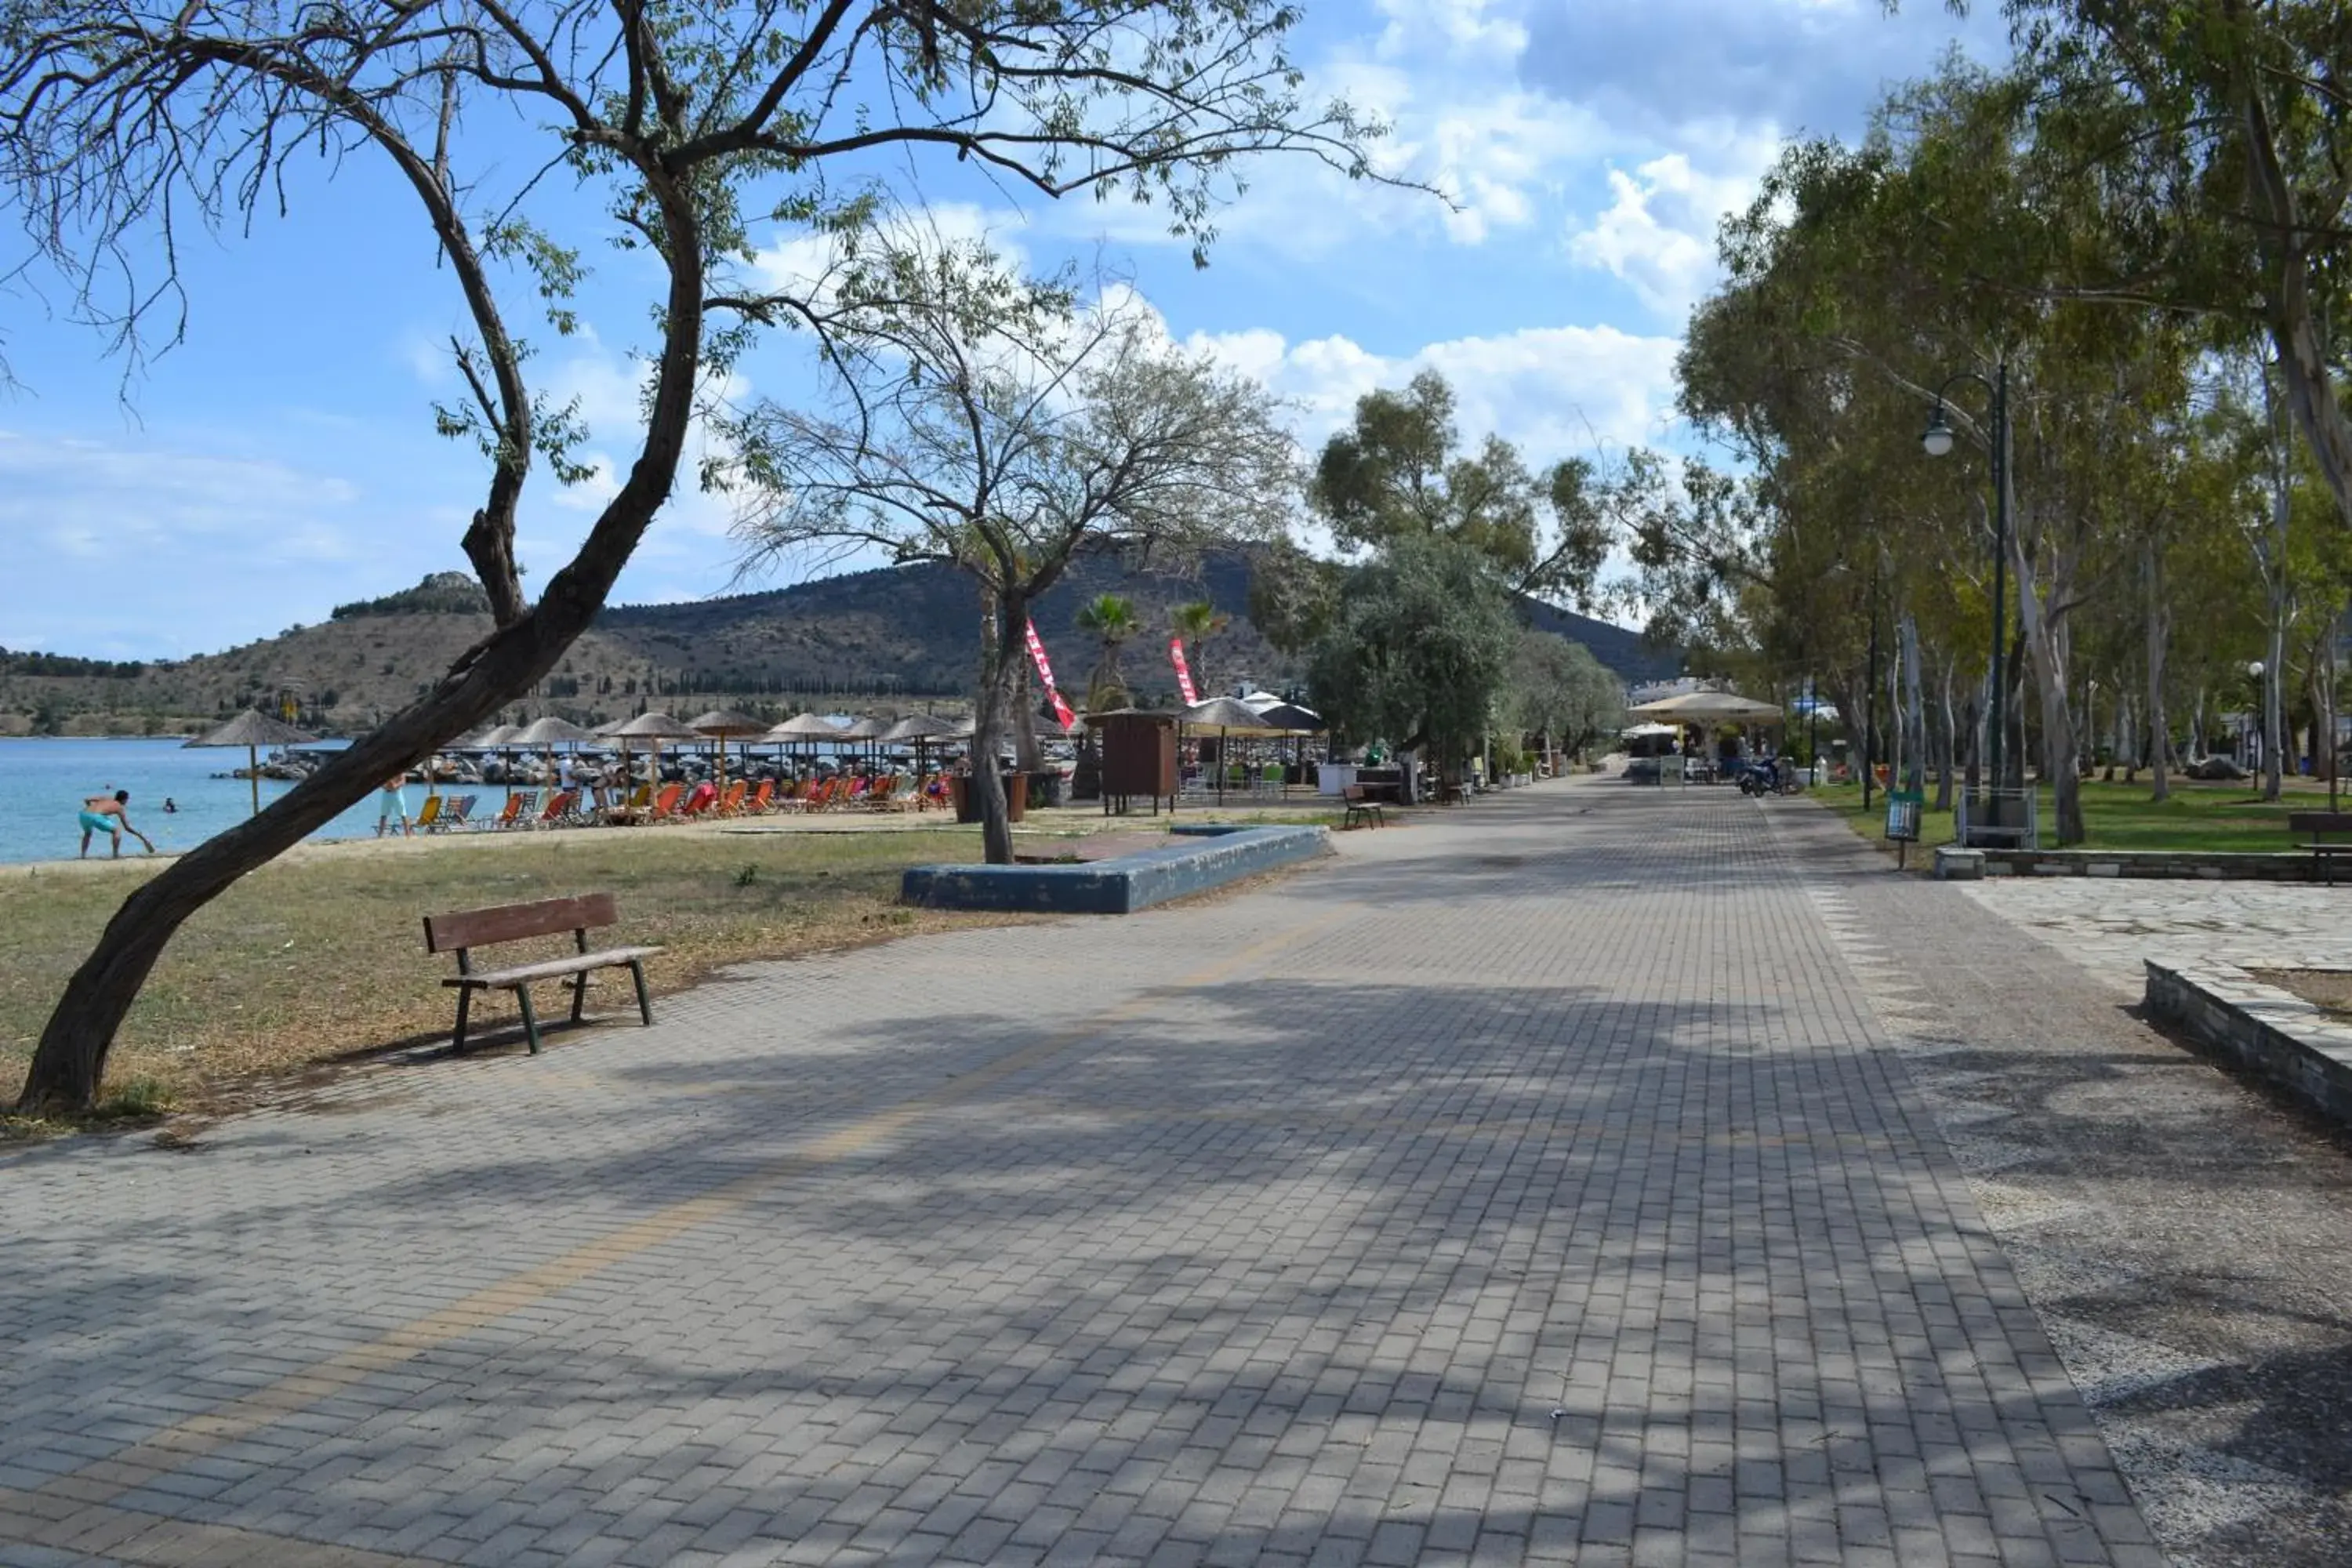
(1112, 620)
(1196, 622)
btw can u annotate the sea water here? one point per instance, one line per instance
(44, 780)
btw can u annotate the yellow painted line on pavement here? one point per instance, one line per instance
(172, 1447)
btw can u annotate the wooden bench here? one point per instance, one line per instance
(2320, 823)
(469, 928)
(1360, 808)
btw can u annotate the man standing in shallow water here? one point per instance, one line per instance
(107, 814)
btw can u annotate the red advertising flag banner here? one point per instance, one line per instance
(1045, 674)
(1183, 674)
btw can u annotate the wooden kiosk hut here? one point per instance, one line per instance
(1138, 757)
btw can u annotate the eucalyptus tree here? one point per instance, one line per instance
(2225, 161)
(1882, 273)
(524, 135)
(1003, 425)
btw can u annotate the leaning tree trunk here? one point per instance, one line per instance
(70, 1059)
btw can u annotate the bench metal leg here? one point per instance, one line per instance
(464, 1005)
(645, 1003)
(530, 1019)
(579, 994)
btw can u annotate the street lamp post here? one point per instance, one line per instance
(2261, 725)
(1936, 441)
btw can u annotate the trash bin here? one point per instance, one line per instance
(967, 803)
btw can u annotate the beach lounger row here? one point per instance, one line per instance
(678, 803)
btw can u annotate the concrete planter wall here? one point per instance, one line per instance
(2273, 1032)
(1203, 857)
(2184, 865)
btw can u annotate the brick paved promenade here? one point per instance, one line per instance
(1529, 1185)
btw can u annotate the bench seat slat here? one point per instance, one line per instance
(548, 969)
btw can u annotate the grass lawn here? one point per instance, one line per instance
(323, 955)
(2121, 816)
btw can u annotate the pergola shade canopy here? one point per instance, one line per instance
(1708, 707)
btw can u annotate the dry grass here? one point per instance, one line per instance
(324, 957)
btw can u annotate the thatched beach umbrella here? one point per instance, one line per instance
(1226, 716)
(254, 729)
(550, 732)
(722, 724)
(810, 727)
(919, 730)
(655, 726)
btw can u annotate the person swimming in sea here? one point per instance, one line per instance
(170, 806)
(109, 814)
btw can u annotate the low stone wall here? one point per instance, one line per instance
(1211, 856)
(2275, 1033)
(2184, 865)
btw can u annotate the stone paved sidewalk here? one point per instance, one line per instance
(2186, 1240)
(2110, 925)
(1531, 1184)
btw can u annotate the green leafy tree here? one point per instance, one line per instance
(1420, 652)
(1399, 472)
(1559, 691)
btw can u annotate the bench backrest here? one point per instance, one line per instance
(1352, 791)
(512, 923)
(2319, 822)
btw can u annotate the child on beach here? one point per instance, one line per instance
(107, 814)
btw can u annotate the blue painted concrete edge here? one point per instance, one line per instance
(1114, 887)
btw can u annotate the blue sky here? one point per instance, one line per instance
(282, 459)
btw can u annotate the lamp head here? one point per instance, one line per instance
(1936, 439)
(2255, 670)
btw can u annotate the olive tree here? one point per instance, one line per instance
(1003, 424)
(684, 132)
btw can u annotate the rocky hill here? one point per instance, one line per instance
(883, 637)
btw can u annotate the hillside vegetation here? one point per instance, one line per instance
(893, 635)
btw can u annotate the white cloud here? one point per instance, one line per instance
(1554, 391)
(1460, 27)
(1660, 67)
(1658, 232)
(153, 495)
